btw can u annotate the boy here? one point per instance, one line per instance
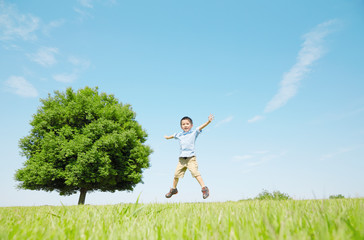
(187, 158)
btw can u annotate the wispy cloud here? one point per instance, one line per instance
(47, 28)
(224, 121)
(14, 25)
(338, 115)
(86, 3)
(81, 64)
(312, 50)
(257, 158)
(255, 119)
(65, 77)
(82, 14)
(351, 113)
(339, 152)
(45, 56)
(20, 86)
(242, 157)
(83, 9)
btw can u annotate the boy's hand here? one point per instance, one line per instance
(168, 137)
(211, 117)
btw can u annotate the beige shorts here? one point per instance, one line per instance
(183, 164)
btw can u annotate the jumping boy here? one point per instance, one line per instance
(187, 157)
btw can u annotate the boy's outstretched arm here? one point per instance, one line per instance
(211, 117)
(169, 137)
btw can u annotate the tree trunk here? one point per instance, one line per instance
(82, 198)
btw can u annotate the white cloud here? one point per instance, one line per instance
(351, 113)
(242, 158)
(79, 66)
(15, 25)
(44, 56)
(339, 152)
(86, 3)
(77, 62)
(256, 158)
(312, 49)
(256, 163)
(65, 77)
(53, 24)
(11, 46)
(20, 86)
(255, 119)
(89, 3)
(224, 121)
(83, 9)
(83, 14)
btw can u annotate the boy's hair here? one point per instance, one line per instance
(186, 118)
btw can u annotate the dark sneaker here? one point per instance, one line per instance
(205, 192)
(171, 192)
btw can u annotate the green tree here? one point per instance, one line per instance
(339, 196)
(83, 141)
(276, 195)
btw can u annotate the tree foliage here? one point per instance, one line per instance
(338, 196)
(275, 195)
(83, 141)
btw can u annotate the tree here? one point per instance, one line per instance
(83, 141)
(339, 196)
(276, 195)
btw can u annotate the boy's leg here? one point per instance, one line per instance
(179, 173)
(175, 182)
(200, 181)
(173, 190)
(193, 167)
(205, 190)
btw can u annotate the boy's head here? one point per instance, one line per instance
(186, 124)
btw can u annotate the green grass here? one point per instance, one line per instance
(290, 219)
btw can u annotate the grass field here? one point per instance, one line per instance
(251, 219)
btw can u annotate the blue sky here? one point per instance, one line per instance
(285, 81)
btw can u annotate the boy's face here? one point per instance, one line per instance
(186, 125)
